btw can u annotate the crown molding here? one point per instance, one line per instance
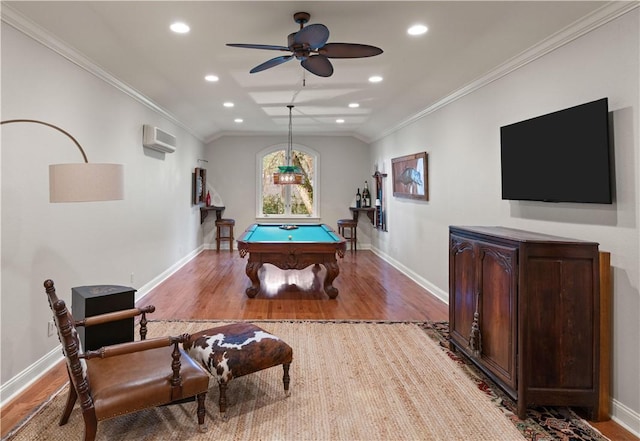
(601, 16)
(16, 20)
(597, 18)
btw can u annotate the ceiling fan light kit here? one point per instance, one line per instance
(309, 46)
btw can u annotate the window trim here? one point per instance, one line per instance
(316, 185)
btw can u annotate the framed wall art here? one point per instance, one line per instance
(410, 179)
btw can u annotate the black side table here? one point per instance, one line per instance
(87, 301)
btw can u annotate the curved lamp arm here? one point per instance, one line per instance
(81, 182)
(9, 121)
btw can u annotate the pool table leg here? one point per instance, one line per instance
(252, 272)
(332, 272)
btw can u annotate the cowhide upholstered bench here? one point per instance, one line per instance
(231, 351)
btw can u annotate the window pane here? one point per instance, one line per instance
(273, 196)
(302, 195)
(287, 200)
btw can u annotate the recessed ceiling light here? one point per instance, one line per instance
(180, 28)
(211, 78)
(238, 120)
(354, 105)
(340, 121)
(228, 104)
(375, 79)
(417, 29)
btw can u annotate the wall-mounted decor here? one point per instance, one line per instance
(380, 202)
(410, 179)
(199, 186)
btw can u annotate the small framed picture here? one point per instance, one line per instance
(410, 179)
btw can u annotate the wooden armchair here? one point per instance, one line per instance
(128, 377)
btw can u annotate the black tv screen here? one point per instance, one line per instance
(559, 157)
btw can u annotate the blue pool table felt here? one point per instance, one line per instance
(304, 233)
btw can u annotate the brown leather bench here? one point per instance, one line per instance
(238, 349)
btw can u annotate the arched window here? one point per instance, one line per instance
(287, 200)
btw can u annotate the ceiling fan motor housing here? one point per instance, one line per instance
(301, 51)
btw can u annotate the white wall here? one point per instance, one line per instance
(78, 244)
(344, 166)
(463, 142)
(156, 227)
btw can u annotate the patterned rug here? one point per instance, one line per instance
(542, 423)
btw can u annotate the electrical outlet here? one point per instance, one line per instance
(51, 328)
(131, 279)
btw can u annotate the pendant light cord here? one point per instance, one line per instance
(290, 139)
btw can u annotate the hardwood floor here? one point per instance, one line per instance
(211, 286)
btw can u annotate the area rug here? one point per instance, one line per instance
(349, 381)
(542, 423)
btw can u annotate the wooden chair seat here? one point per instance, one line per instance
(238, 349)
(352, 226)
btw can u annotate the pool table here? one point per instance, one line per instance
(291, 247)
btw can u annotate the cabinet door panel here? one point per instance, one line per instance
(462, 288)
(560, 335)
(498, 281)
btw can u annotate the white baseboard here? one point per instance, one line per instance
(25, 378)
(433, 289)
(621, 414)
(223, 246)
(147, 287)
(627, 418)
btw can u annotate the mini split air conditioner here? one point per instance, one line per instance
(158, 139)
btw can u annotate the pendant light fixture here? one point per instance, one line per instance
(289, 174)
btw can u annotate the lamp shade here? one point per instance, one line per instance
(86, 182)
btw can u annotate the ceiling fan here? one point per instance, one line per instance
(309, 45)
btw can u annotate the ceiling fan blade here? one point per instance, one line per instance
(318, 65)
(259, 46)
(315, 35)
(349, 50)
(271, 63)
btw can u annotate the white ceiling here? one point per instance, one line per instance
(467, 42)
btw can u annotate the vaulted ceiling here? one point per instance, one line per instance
(467, 43)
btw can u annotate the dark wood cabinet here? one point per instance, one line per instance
(525, 308)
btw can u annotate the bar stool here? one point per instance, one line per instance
(352, 225)
(220, 224)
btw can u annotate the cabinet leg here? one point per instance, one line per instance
(522, 409)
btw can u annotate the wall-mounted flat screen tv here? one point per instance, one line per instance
(559, 157)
